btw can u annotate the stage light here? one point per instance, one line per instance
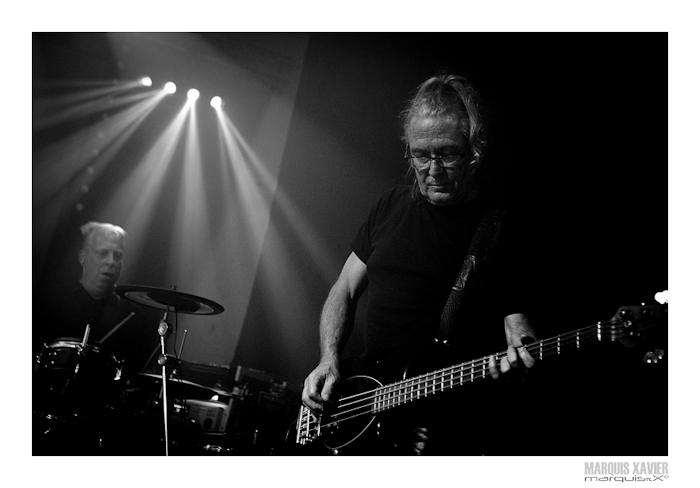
(146, 81)
(170, 87)
(216, 102)
(193, 94)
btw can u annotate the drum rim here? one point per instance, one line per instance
(74, 342)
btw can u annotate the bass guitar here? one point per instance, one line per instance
(362, 398)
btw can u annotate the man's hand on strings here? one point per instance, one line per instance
(517, 359)
(319, 385)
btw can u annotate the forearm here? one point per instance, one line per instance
(337, 320)
(338, 315)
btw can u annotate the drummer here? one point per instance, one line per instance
(64, 310)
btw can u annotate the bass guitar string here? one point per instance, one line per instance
(542, 348)
(397, 393)
(369, 403)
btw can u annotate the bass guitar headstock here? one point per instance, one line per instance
(631, 324)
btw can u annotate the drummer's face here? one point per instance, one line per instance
(102, 263)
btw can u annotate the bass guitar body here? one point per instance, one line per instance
(355, 434)
(357, 423)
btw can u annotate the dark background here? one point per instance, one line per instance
(577, 142)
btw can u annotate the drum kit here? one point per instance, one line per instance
(78, 385)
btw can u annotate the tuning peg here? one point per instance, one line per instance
(662, 297)
(653, 357)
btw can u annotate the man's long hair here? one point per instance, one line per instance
(447, 95)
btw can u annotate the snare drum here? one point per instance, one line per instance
(79, 378)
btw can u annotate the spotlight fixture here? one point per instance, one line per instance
(146, 81)
(170, 87)
(192, 94)
(216, 102)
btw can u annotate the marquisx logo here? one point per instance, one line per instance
(622, 471)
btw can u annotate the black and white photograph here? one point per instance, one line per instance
(356, 246)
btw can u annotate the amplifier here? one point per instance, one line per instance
(264, 389)
(208, 415)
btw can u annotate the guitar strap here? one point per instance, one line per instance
(480, 250)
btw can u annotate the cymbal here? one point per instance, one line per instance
(166, 299)
(177, 388)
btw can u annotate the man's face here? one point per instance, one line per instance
(102, 262)
(440, 137)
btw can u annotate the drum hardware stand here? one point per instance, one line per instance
(182, 345)
(166, 361)
(81, 354)
(167, 299)
(173, 361)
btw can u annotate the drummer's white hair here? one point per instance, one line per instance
(91, 227)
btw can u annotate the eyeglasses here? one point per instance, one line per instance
(423, 162)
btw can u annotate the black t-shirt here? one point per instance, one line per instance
(413, 251)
